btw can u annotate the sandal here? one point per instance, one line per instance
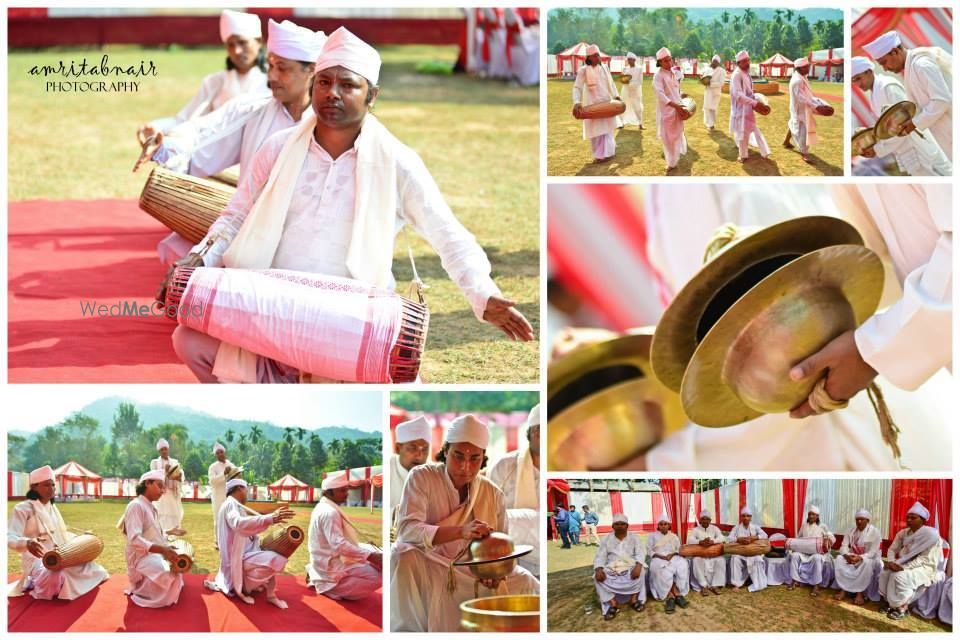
(637, 606)
(897, 614)
(682, 602)
(611, 613)
(670, 606)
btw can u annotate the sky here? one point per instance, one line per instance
(33, 406)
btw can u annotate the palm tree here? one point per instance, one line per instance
(256, 434)
(725, 17)
(288, 436)
(228, 436)
(300, 434)
(748, 16)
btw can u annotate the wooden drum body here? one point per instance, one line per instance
(283, 540)
(700, 551)
(603, 110)
(811, 546)
(184, 556)
(184, 204)
(81, 549)
(758, 548)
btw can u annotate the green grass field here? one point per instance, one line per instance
(480, 140)
(102, 517)
(570, 592)
(639, 153)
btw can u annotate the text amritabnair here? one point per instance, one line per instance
(104, 69)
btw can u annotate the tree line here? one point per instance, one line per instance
(128, 453)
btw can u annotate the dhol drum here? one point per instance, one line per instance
(689, 108)
(763, 105)
(336, 328)
(184, 556)
(184, 204)
(283, 540)
(79, 550)
(706, 79)
(609, 109)
(701, 551)
(824, 109)
(756, 548)
(808, 545)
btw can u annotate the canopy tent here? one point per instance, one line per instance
(570, 60)
(297, 490)
(507, 430)
(825, 64)
(73, 476)
(777, 66)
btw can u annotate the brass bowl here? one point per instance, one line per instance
(493, 557)
(501, 613)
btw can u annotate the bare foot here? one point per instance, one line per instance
(787, 145)
(716, 592)
(859, 601)
(277, 602)
(736, 588)
(839, 596)
(791, 587)
(705, 592)
(209, 584)
(808, 159)
(245, 598)
(815, 592)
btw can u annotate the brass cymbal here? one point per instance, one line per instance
(894, 117)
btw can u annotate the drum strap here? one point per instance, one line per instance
(417, 286)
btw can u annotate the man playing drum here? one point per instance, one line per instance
(711, 573)
(807, 568)
(594, 85)
(170, 506)
(743, 567)
(36, 527)
(341, 567)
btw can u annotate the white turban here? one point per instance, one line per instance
(801, 62)
(416, 429)
(862, 513)
(631, 55)
(41, 475)
(336, 480)
(343, 49)
(918, 510)
(859, 64)
(663, 517)
(662, 53)
(237, 23)
(705, 513)
(743, 55)
(161, 443)
(469, 429)
(156, 474)
(716, 59)
(288, 40)
(218, 447)
(746, 511)
(592, 49)
(533, 418)
(883, 45)
(814, 509)
(236, 482)
(620, 517)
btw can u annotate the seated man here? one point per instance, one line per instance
(36, 527)
(618, 570)
(245, 568)
(669, 573)
(444, 507)
(807, 568)
(341, 567)
(148, 556)
(742, 567)
(859, 561)
(912, 562)
(711, 573)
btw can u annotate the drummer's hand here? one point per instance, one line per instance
(635, 572)
(149, 147)
(847, 373)
(683, 95)
(35, 548)
(706, 542)
(189, 260)
(491, 583)
(283, 514)
(577, 110)
(599, 574)
(868, 153)
(475, 530)
(907, 128)
(169, 553)
(502, 313)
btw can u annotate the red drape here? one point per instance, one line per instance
(788, 509)
(799, 504)
(742, 488)
(685, 488)
(669, 489)
(942, 498)
(658, 503)
(616, 502)
(905, 492)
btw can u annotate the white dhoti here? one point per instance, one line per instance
(856, 578)
(603, 146)
(750, 135)
(899, 588)
(665, 573)
(170, 510)
(632, 96)
(808, 568)
(710, 572)
(260, 567)
(620, 586)
(754, 567)
(152, 584)
(358, 582)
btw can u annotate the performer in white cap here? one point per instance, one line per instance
(669, 572)
(633, 94)
(618, 570)
(743, 567)
(148, 555)
(244, 75)
(523, 47)
(807, 568)
(710, 573)
(35, 527)
(337, 200)
(928, 77)
(712, 93)
(914, 155)
(217, 476)
(802, 126)
(859, 562)
(245, 568)
(170, 504)
(743, 104)
(669, 121)
(912, 561)
(341, 567)
(594, 85)
(411, 448)
(518, 476)
(445, 506)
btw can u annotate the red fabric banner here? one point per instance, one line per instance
(616, 502)
(742, 495)
(904, 493)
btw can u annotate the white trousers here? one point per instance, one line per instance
(603, 146)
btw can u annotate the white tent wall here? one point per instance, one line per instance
(729, 504)
(765, 498)
(638, 507)
(708, 502)
(598, 501)
(840, 499)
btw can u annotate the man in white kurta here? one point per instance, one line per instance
(35, 527)
(411, 449)
(669, 572)
(928, 77)
(666, 87)
(523, 43)
(633, 92)
(148, 556)
(594, 85)
(802, 125)
(341, 567)
(245, 568)
(217, 476)
(170, 505)
(915, 155)
(518, 476)
(807, 568)
(713, 91)
(743, 118)
(859, 562)
(445, 507)
(912, 562)
(743, 567)
(618, 570)
(711, 573)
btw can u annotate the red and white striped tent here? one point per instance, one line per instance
(290, 489)
(918, 27)
(826, 63)
(776, 66)
(74, 479)
(570, 60)
(507, 429)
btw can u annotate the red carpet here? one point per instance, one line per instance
(99, 251)
(829, 97)
(106, 609)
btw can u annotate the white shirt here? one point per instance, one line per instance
(635, 86)
(237, 532)
(741, 99)
(932, 90)
(698, 534)
(170, 484)
(142, 529)
(740, 531)
(594, 85)
(662, 545)
(815, 530)
(332, 553)
(504, 474)
(864, 543)
(619, 555)
(398, 475)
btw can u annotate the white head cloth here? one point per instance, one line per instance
(742, 55)
(236, 482)
(237, 23)
(801, 62)
(343, 49)
(716, 59)
(883, 45)
(814, 509)
(336, 480)
(161, 443)
(592, 49)
(293, 42)
(620, 517)
(919, 510)
(746, 511)
(631, 55)
(859, 64)
(705, 513)
(218, 447)
(862, 513)
(468, 428)
(416, 429)
(41, 475)
(662, 53)
(156, 474)
(533, 418)
(663, 517)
